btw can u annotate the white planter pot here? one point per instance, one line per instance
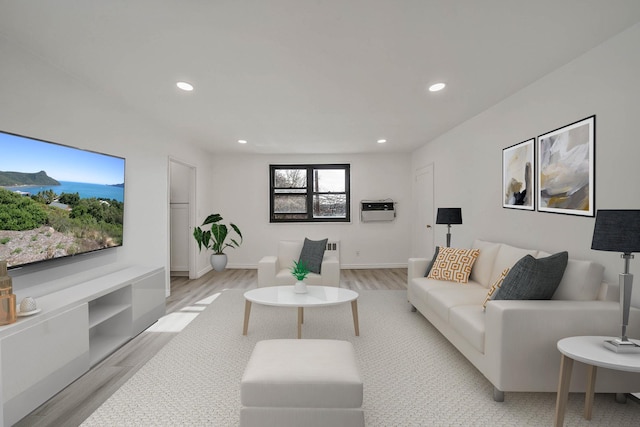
(218, 261)
(300, 287)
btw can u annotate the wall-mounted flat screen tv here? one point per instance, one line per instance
(57, 201)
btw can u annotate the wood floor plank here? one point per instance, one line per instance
(76, 402)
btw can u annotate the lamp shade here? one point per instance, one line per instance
(617, 231)
(449, 216)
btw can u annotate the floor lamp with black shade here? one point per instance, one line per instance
(619, 231)
(449, 216)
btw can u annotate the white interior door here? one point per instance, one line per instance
(423, 239)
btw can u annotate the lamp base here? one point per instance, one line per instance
(622, 346)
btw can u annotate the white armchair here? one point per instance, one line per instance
(275, 270)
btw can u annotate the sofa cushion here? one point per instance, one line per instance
(581, 281)
(469, 321)
(433, 260)
(532, 278)
(494, 288)
(312, 253)
(507, 256)
(442, 298)
(453, 264)
(483, 267)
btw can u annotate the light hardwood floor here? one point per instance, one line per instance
(75, 403)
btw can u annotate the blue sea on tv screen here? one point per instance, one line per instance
(85, 190)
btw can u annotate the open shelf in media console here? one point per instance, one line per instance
(101, 313)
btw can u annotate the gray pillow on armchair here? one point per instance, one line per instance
(312, 254)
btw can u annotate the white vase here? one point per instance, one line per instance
(300, 287)
(218, 261)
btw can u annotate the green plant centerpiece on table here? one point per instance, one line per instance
(216, 240)
(300, 272)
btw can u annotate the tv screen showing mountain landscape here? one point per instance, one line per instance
(57, 201)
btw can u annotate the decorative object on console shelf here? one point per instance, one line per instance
(619, 231)
(566, 169)
(449, 216)
(214, 239)
(28, 307)
(7, 298)
(517, 176)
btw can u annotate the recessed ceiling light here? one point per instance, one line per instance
(436, 87)
(382, 141)
(242, 141)
(185, 86)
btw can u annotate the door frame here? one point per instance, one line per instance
(191, 214)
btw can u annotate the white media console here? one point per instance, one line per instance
(78, 327)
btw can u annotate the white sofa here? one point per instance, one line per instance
(514, 343)
(275, 270)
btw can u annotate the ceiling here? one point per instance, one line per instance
(309, 76)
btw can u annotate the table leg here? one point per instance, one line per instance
(247, 311)
(566, 365)
(591, 388)
(300, 317)
(354, 311)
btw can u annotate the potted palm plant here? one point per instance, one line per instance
(215, 239)
(300, 272)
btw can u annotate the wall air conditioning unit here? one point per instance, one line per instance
(377, 210)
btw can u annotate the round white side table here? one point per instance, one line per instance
(591, 351)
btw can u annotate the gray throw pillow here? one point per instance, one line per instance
(430, 266)
(532, 278)
(312, 254)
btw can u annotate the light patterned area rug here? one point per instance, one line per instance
(412, 375)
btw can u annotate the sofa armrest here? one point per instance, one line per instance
(267, 269)
(330, 271)
(522, 336)
(416, 267)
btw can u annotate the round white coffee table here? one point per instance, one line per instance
(591, 351)
(316, 296)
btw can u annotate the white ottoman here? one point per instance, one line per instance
(306, 383)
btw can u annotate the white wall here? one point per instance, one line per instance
(468, 159)
(40, 101)
(240, 193)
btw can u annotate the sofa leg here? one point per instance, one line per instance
(621, 397)
(413, 309)
(498, 395)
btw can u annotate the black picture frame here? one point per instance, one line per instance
(518, 181)
(566, 169)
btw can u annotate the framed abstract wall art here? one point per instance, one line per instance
(517, 176)
(566, 169)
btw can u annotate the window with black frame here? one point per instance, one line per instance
(309, 193)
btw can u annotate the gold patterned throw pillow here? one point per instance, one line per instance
(496, 285)
(453, 265)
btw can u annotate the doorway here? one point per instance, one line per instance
(423, 238)
(181, 218)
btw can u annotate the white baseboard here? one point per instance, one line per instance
(342, 266)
